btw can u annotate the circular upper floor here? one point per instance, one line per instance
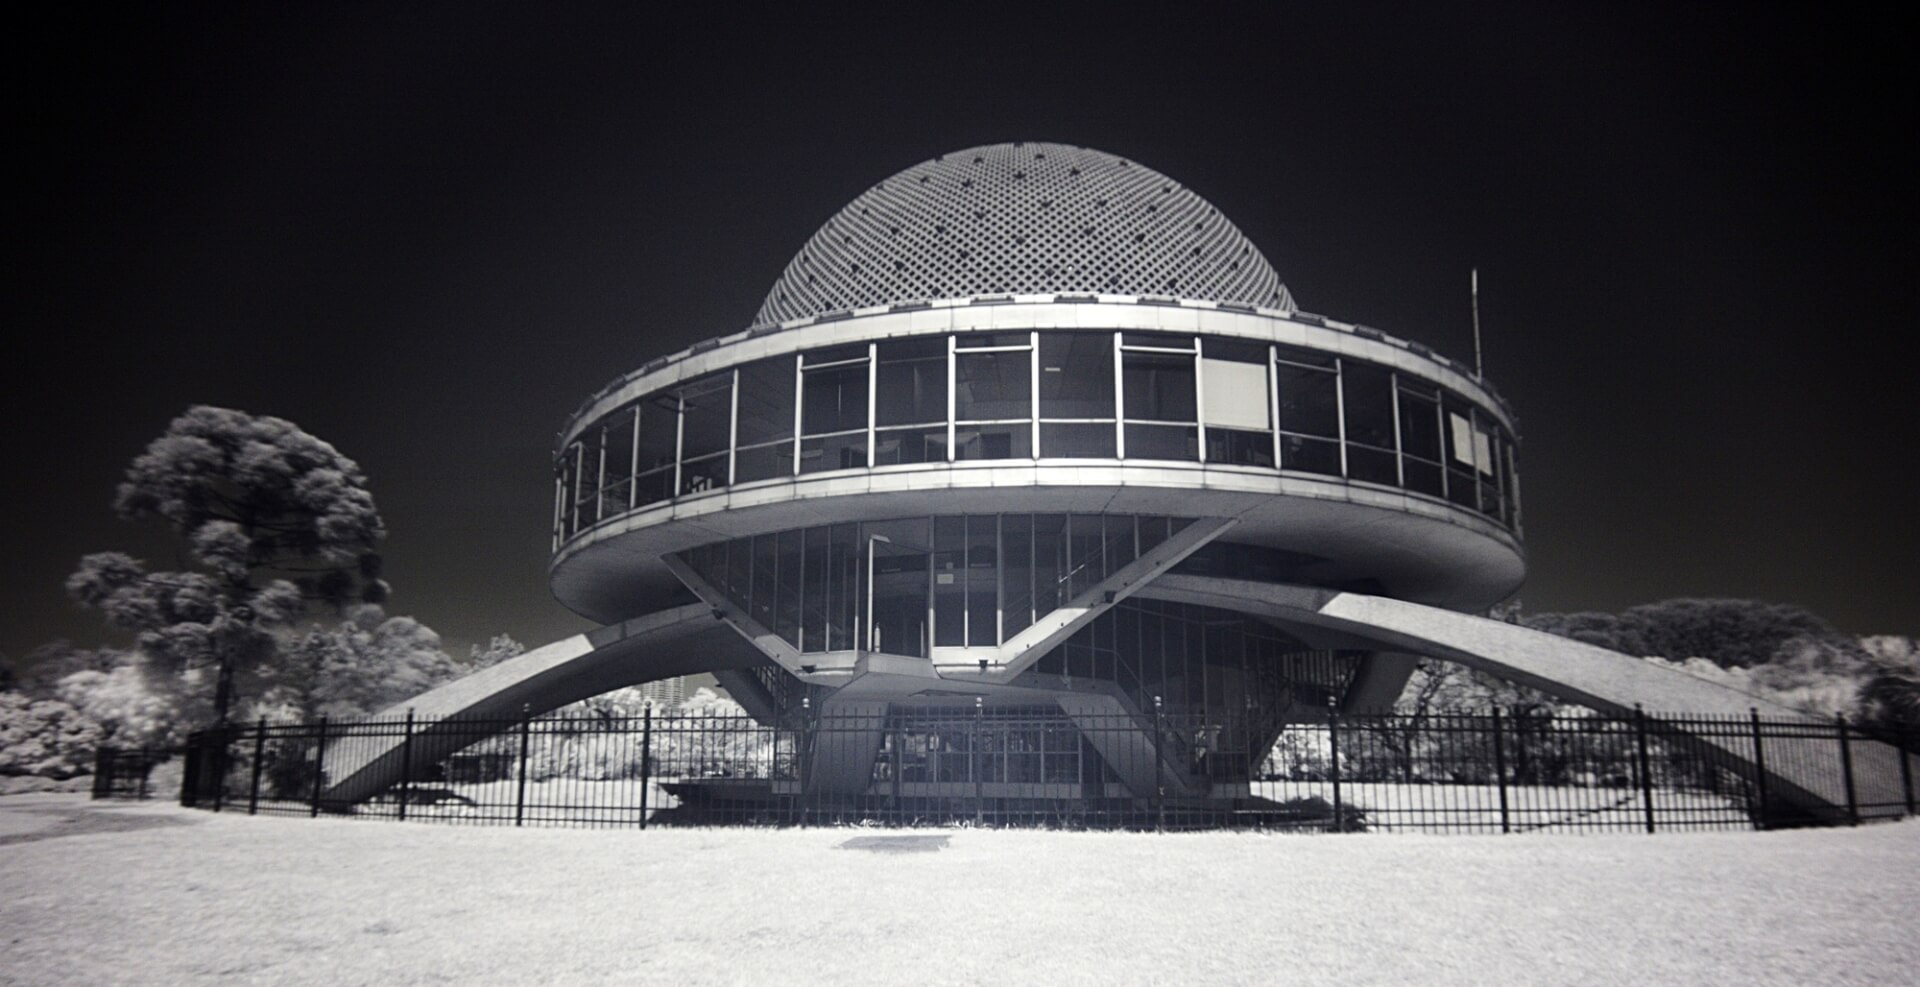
(1023, 218)
(1322, 438)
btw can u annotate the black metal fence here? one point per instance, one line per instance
(120, 773)
(1498, 772)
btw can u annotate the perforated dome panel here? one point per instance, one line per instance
(1023, 219)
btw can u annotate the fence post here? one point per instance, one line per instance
(1159, 767)
(259, 754)
(1846, 770)
(1905, 749)
(520, 785)
(406, 764)
(319, 764)
(1759, 769)
(973, 758)
(1646, 767)
(1333, 760)
(223, 736)
(805, 753)
(1500, 771)
(646, 760)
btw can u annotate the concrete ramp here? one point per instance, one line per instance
(1805, 771)
(1125, 740)
(681, 641)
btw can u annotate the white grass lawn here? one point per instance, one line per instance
(232, 899)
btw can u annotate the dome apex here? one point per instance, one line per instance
(1024, 218)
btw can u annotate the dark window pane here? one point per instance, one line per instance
(834, 400)
(618, 444)
(1119, 528)
(708, 408)
(983, 560)
(846, 589)
(910, 445)
(766, 400)
(834, 354)
(836, 452)
(992, 385)
(763, 462)
(1163, 340)
(813, 591)
(1294, 354)
(1423, 477)
(1310, 455)
(786, 613)
(1077, 440)
(1238, 350)
(1368, 392)
(1238, 448)
(659, 431)
(1049, 562)
(702, 475)
(1159, 387)
(993, 441)
(766, 578)
(1163, 442)
(1016, 553)
(949, 592)
(1372, 465)
(1086, 553)
(912, 384)
(1420, 425)
(1076, 375)
(1308, 402)
(977, 340)
(653, 487)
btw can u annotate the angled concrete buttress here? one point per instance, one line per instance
(1803, 771)
(680, 641)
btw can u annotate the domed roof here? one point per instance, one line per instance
(1023, 219)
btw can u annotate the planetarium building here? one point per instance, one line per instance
(1032, 429)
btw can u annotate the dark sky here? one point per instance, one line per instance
(425, 235)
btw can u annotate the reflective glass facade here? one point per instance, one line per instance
(1040, 395)
(906, 586)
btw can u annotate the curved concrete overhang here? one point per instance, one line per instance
(1804, 770)
(679, 641)
(1417, 547)
(1023, 312)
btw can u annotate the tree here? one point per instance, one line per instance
(44, 737)
(363, 664)
(273, 518)
(499, 649)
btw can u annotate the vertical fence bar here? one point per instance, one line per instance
(406, 765)
(973, 759)
(1333, 761)
(646, 760)
(259, 754)
(1846, 770)
(1905, 748)
(1159, 751)
(520, 786)
(1646, 766)
(319, 764)
(223, 736)
(1759, 770)
(1500, 771)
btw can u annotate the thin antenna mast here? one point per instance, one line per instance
(1479, 370)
